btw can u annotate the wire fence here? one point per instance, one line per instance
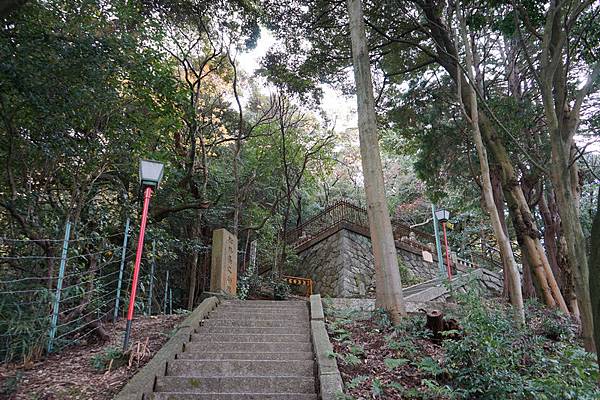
(50, 300)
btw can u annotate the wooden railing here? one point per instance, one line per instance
(346, 212)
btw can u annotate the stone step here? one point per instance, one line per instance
(240, 368)
(237, 385)
(260, 356)
(264, 303)
(274, 323)
(249, 330)
(269, 310)
(231, 396)
(259, 316)
(272, 347)
(244, 338)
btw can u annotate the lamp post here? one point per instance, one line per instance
(151, 173)
(443, 216)
(438, 245)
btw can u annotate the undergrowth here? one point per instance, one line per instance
(493, 357)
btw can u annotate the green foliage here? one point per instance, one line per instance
(496, 358)
(10, 385)
(357, 350)
(381, 317)
(393, 363)
(356, 381)
(102, 360)
(24, 324)
(429, 366)
(406, 275)
(377, 388)
(281, 290)
(351, 359)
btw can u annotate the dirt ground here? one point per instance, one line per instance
(71, 375)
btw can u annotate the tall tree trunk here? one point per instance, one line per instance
(562, 118)
(556, 248)
(516, 295)
(594, 268)
(387, 275)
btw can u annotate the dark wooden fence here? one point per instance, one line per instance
(346, 212)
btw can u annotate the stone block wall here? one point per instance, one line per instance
(342, 265)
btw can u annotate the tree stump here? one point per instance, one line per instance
(435, 323)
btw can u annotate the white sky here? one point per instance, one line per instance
(339, 108)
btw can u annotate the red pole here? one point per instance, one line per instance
(448, 265)
(136, 268)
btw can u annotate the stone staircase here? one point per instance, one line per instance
(245, 350)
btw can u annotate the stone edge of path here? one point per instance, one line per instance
(330, 380)
(142, 382)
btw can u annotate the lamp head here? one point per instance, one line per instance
(442, 215)
(151, 173)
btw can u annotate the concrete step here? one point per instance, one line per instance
(263, 309)
(270, 311)
(249, 330)
(264, 303)
(231, 396)
(237, 385)
(272, 347)
(240, 368)
(260, 356)
(244, 338)
(303, 316)
(274, 323)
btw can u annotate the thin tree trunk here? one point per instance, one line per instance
(387, 275)
(516, 295)
(529, 290)
(499, 202)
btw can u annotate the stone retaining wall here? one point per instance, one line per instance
(341, 263)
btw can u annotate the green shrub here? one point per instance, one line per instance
(102, 361)
(407, 277)
(497, 358)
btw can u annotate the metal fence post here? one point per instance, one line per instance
(123, 251)
(152, 267)
(61, 276)
(438, 245)
(166, 292)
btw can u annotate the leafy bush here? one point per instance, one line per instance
(382, 318)
(281, 290)
(24, 324)
(103, 360)
(407, 277)
(499, 359)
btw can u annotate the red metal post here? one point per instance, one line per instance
(136, 268)
(448, 265)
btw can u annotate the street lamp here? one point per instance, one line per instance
(151, 173)
(443, 216)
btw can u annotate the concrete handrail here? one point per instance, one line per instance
(330, 380)
(142, 382)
